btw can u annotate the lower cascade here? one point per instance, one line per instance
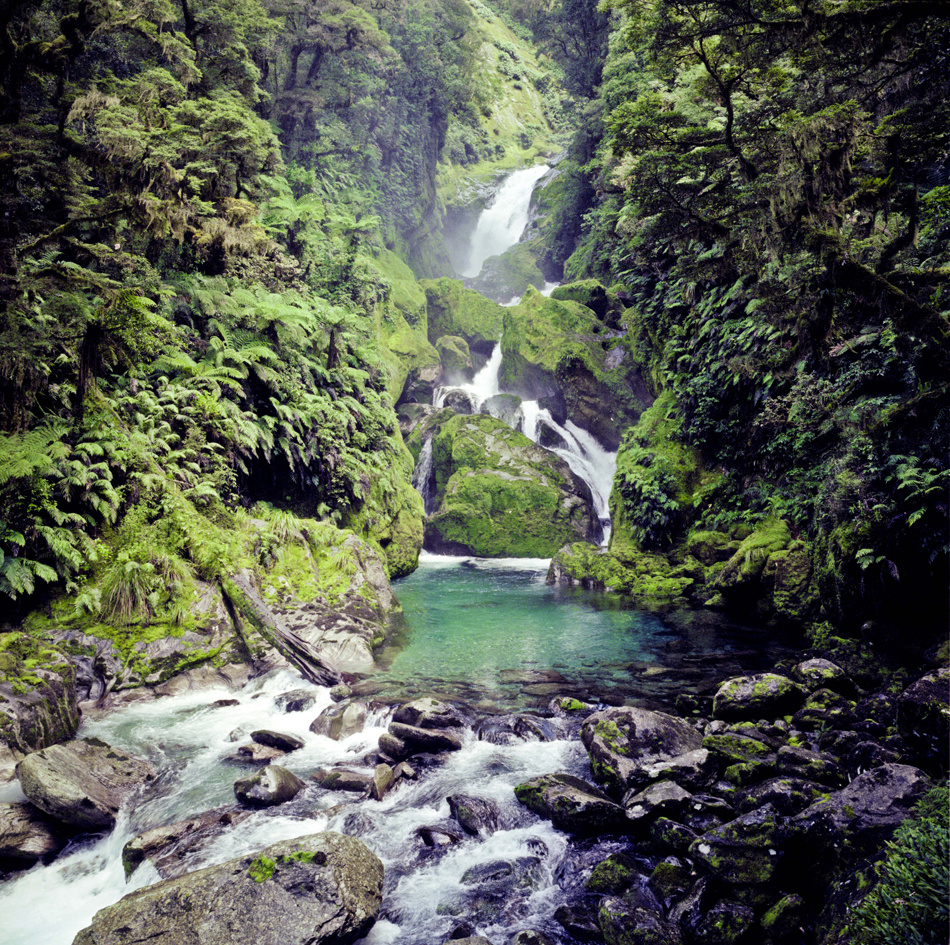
(588, 460)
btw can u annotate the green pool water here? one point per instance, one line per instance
(493, 633)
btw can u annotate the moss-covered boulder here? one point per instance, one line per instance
(500, 495)
(592, 294)
(38, 703)
(763, 695)
(560, 347)
(509, 275)
(455, 310)
(457, 364)
(571, 804)
(323, 889)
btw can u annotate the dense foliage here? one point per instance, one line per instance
(774, 196)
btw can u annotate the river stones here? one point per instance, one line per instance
(26, 836)
(271, 786)
(82, 783)
(476, 815)
(636, 918)
(343, 779)
(340, 721)
(296, 700)
(571, 804)
(764, 695)
(423, 739)
(428, 713)
(383, 779)
(625, 741)
(323, 889)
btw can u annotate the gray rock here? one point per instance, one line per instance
(811, 766)
(342, 779)
(383, 780)
(923, 717)
(823, 674)
(297, 700)
(82, 783)
(745, 851)
(166, 847)
(26, 836)
(393, 747)
(571, 804)
(625, 741)
(635, 919)
(423, 739)
(271, 786)
(663, 799)
(254, 754)
(279, 740)
(476, 815)
(824, 709)
(726, 922)
(323, 889)
(693, 771)
(428, 713)
(340, 721)
(530, 937)
(788, 795)
(764, 695)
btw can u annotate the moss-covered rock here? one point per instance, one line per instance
(509, 275)
(38, 702)
(551, 346)
(455, 310)
(457, 365)
(499, 495)
(592, 294)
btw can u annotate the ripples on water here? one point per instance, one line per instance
(491, 634)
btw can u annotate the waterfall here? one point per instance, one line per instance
(422, 476)
(482, 386)
(588, 460)
(501, 225)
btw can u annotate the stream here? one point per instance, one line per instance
(490, 636)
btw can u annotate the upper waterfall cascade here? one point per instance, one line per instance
(500, 225)
(587, 459)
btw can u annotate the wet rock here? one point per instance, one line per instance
(27, 835)
(271, 786)
(82, 783)
(473, 940)
(530, 937)
(784, 920)
(423, 739)
(579, 920)
(622, 742)
(297, 700)
(523, 872)
(404, 770)
(254, 754)
(824, 709)
(437, 836)
(811, 766)
(342, 779)
(477, 816)
(340, 721)
(670, 880)
(669, 835)
(869, 754)
(635, 919)
(687, 914)
(865, 813)
(167, 847)
(764, 695)
(788, 795)
(504, 407)
(613, 875)
(880, 707)
(725, 923)
(457, 401)
(693, 771)
(383, 780)
(428, 713)
(823, 674)
(279, 740)
(224, 703)
(664, 799)
(571, 804)
(568, 705)
(340, 691)
(392, 747)
(923, 717)
(746, 850)
(323, 889)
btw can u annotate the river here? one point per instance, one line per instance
(491, 636)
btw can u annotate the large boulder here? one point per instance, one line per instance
(571, 804)
(323, 889)
(625, 742)
(26, 835)
(82, 783)
(464, 313)
(339, 721)
(764, 695)
(269, 787)
(923, 717)
(498, 494)
(428, 713)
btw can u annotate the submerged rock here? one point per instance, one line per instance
(323, 889)
(82, 783)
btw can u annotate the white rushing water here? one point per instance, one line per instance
(186, 738)
(482, 386)
(500, 225)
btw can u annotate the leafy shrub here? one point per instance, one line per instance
(909, 904)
